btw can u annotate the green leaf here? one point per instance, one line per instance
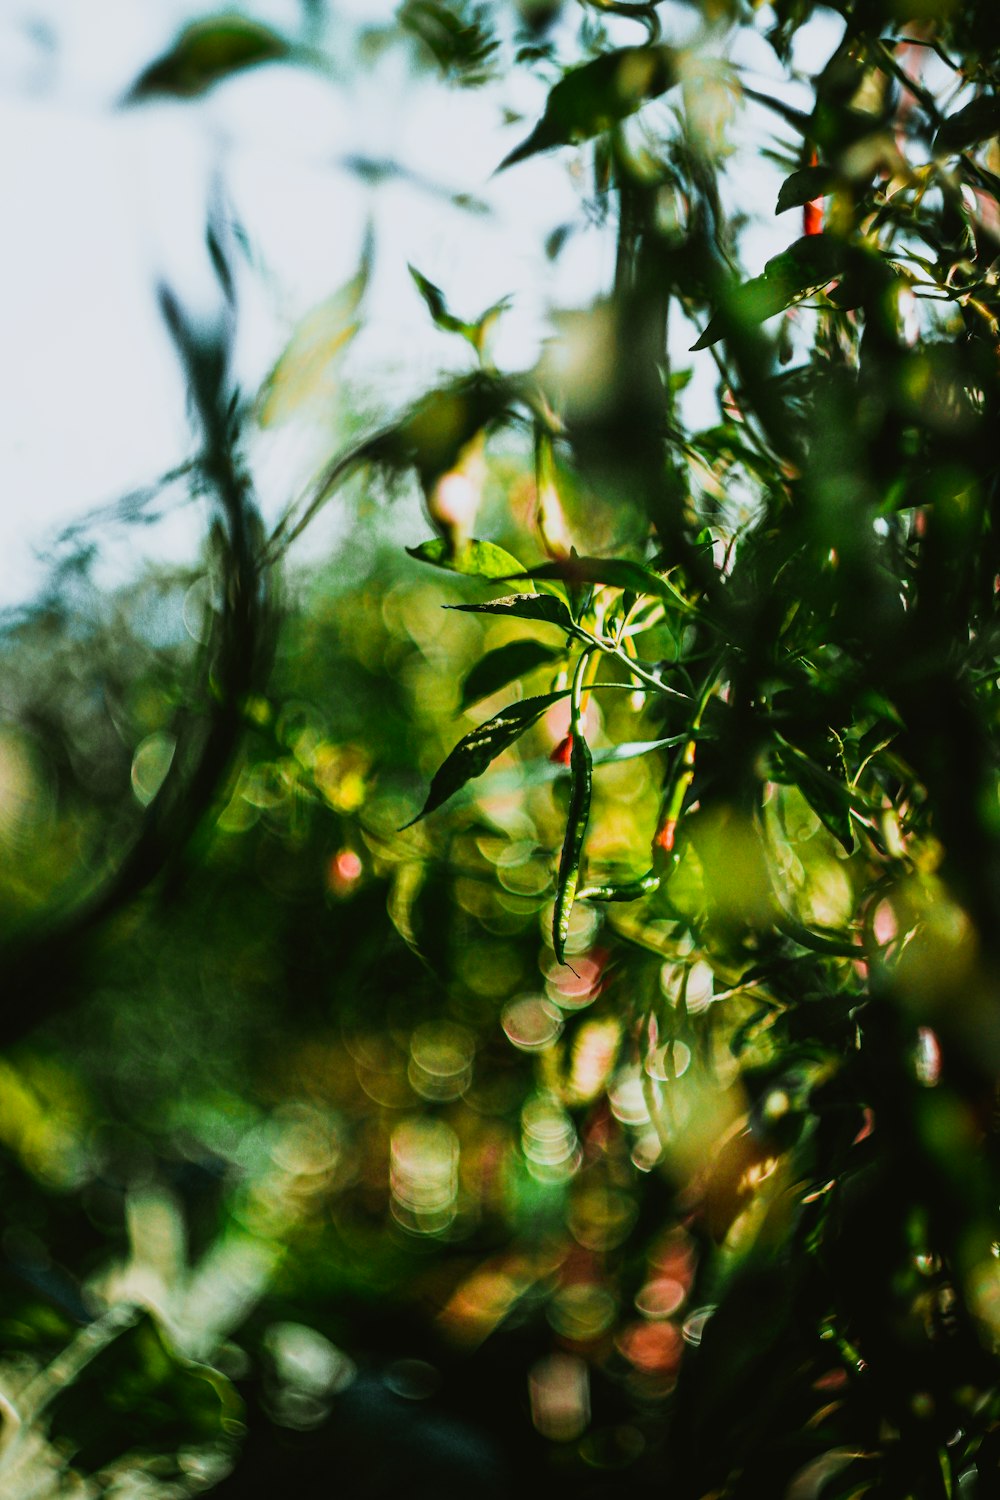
(436, 305)
(204, 54)
(592, 98)
(577, 818)
(306, 374)
(475, 751)
(504, 665)
(431, 436)
(978, 121)
(803, 186)
(545, 607)
(475, 333)
(137, 1394)
(457, 36)
(541, 771)
(805, 267)
(618, 572)
(610, 755)
(828, 796)
(474, 560)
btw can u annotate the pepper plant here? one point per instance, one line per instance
(728, 559)
(799, 599)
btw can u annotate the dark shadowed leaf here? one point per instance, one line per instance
(541, 771)
(805, 267)
(978, 121)
(204, 54)
(523, 607)
(433, 433)
(475, 751)
(507, 663)
(590, 99)
(803, 186)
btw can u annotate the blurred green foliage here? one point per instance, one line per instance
(558, 1037)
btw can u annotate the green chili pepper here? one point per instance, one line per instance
(581, 769)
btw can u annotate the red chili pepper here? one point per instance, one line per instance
(664, 835)
(562, 755)
(812, 212)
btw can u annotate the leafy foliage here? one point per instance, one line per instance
(206, 53)
(661, 1062)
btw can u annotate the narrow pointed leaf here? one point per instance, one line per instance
(434, 301)
(592, 98)
(611, 755)
(475, 751)
(456, 36)
(505, 665)
(626, 890)
(545, 607)
(620, 573)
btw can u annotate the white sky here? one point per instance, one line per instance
(101, 203)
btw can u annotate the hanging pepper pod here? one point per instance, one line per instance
(581, 767)
(672, 807)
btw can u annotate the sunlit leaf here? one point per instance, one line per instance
(205, 53)
(475, 751)
(544, 607)
(620, 573)
(542, 770)
(503, 665)
(609, 755)
(306, 377)
(592, 98)
(474, 559)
